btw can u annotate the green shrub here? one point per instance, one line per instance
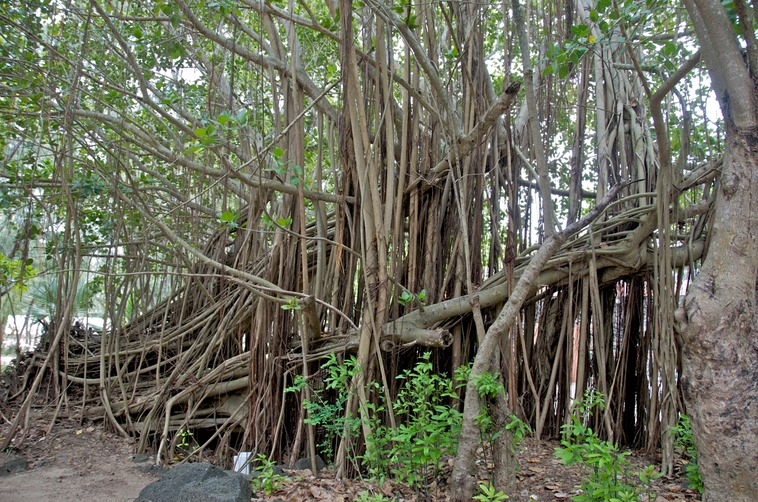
(488, 493)
(368, 496)
(330, 414)
(685, 442)
(429, 426)
(265, 479)
(608, 475)
(426, 409)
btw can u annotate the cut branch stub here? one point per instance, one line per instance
(405, 332)
(400, 332)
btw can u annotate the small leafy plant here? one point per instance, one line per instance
(329, 413)
(407, 298)
(488, 493)
(607, 468)
(291, 304)
(185, 444)
(429, 420)
(520, 431)
(685, 442)
(489, 386)
(368, 496)
(265, 477)
(430, 425)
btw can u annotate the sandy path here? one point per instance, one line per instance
(76, 464)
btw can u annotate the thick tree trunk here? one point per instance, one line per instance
(717, 328)
(717, 324)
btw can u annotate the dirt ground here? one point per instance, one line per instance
(85, 463)
(75, 464)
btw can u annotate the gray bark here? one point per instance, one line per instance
(717, 328)
(717, 324)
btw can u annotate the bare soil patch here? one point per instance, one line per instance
(75, 463)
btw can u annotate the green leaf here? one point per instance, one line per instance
(669, 49)
(565, 456)
(176, 51)
(580, 30)
(602, 5)
(227, 216)
(201, 132)
(292, 304)
(405, 298)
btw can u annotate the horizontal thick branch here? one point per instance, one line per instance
(624, 258)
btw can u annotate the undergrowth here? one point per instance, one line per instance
(265, 478)
(428, 420)
(428, 427)
(685, 443)
(608, 474)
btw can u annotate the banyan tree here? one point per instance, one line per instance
(254, 186)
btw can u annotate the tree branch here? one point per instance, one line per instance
(463, 478)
